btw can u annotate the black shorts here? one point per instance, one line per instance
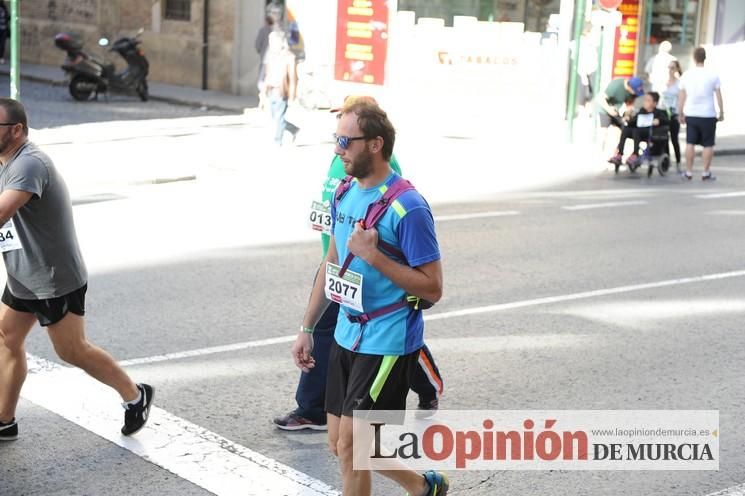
(358, 381)
(701, 131)
(49, 312)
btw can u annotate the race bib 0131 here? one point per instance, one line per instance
(320, 217)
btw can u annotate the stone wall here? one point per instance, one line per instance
(174, 48)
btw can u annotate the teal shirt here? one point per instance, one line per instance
(333, 178)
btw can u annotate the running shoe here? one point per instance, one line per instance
(135, 416)
(427, 409)
(686, 176)
(9, 431)
(438, 483)
(295, 422)
(708, 177)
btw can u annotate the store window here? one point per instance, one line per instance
(675, 21)
(534, 14)
(177, 10)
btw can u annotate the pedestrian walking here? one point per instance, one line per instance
(311, 389)
(670, 103)
(261, 44)
(46, 276)
(698, 88)
(280, 83)
(379, 334)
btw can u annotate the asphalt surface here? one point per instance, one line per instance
(194, 265)
(51, 105)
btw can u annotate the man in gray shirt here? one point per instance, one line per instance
(47, 278)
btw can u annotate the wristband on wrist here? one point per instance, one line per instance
(307, 330)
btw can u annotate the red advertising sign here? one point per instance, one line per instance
(627, 40)
(361, 41)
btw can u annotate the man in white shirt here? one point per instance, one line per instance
(657, 67)
(698, 87)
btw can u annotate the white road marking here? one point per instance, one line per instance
(207, 351)
(185, 449)
(456, 313)
(589, 206)
(726, 212)
(476, 215)
(738, 490)
(713, 196)
(583, 295)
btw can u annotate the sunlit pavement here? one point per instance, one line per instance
(227, 259)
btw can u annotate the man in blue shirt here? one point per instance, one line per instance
(371, 363)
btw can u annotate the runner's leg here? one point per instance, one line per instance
(71, 345)
(14, 327)
(426, 380)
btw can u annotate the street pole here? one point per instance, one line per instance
(596, 84)
(579, 21)
(15, 50)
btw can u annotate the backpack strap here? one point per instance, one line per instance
(375, 212)
(342, 189)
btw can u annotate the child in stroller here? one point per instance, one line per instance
(650, 125)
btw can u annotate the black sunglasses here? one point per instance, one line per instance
(9, 123)
(343, 141)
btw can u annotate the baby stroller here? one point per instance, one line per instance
(655, 151)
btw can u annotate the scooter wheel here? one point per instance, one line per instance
(142, 91)
(82, 87)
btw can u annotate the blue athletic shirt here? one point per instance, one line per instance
(407, 225)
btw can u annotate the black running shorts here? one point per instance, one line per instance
(358, 381)
(49, 312)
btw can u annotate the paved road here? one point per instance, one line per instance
(162, 284)
(224, 260)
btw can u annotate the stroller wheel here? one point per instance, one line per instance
(664, 164)
(650, 170)
(616, 167)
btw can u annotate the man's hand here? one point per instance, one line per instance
(656, 122)
(613, 112)
(301, 352)
(682, 118)
(721, 116)
(363, 243)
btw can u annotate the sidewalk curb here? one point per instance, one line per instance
(156, 97)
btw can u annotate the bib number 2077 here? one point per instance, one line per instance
(346, 290)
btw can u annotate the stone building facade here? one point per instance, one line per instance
(172, 40)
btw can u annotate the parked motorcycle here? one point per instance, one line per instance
(91, 75)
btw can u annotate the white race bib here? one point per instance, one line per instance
(320, 217)
(9, 237)
(345, 290)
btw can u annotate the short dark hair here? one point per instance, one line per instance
(374, 123)
(16, 112)
(699, 55)
(655, 96)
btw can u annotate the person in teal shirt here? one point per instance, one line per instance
(311, 391)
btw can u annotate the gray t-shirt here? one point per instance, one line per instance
(49, 264)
